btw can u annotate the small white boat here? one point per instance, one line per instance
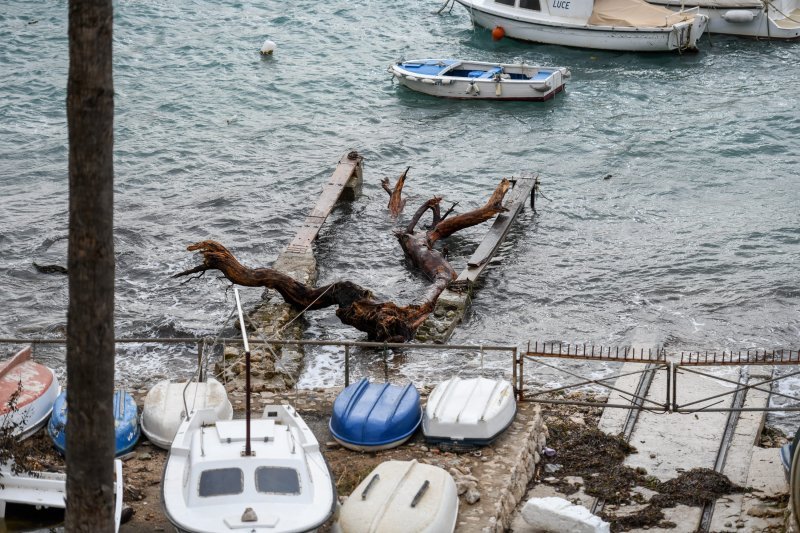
(452, 78)
(768, 19)
(211, 485)
(47, 489)
(167, 403)
(625, 25)
(469, 411)
(32, 387)
(401, 497)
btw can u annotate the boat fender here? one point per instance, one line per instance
(410, 77)
(473, 89)
(498, 33)
(738, 16)
(498, 89)
(446, 82)
(428, 81)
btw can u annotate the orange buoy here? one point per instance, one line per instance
(498, 33)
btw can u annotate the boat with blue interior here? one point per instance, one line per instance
(453, 78)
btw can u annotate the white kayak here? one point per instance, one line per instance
(165, 408)
(401, 497)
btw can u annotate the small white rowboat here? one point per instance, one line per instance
(167, 404)
(452, 78)
(32, 388)
(401, 497)
(469, 411)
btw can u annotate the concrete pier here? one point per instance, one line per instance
(453, 303)
(274, 319)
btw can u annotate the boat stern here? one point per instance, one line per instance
(685, 34)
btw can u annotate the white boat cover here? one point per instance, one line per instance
(634, 13)
(401, 497)
(164, 407)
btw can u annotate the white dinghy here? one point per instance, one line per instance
(625, 25)
(32, 388)
(469, 411)
(452, 78)
(401, 497)
(767, 19)
(263, 475)
(47, 490)
(167, 404)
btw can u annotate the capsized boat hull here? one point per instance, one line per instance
(469, 411)
(126, 423)
(164, 407)
(401, 497)
(477, 80)
(375, 416)
(680, 36)
(36, 388)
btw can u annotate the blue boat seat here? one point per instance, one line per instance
(484, 74)
(542, 75)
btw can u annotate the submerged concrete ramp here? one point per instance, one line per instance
(275, 319)
(453, 302)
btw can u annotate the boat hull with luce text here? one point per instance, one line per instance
(622, 25)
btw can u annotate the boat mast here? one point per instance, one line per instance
(247, 451)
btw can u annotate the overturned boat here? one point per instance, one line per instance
(624, 25)
(28, 391)
(470, 412)
(453, 78)
(167, 404)
(375, 416)
(401, 497)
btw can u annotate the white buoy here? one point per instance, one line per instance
(267, 48)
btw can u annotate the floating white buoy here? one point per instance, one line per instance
(267, 48)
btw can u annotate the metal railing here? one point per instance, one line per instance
(347, 346)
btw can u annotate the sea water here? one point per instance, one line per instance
(668, 213)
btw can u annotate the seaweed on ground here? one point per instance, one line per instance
(597, 458)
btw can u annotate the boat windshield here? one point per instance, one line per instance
(221, 482)
(277, 480)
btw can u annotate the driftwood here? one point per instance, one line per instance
(396, 201)
(356, 306)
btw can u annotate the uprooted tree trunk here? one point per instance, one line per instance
(382, 321)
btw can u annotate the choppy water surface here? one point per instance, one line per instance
(693, 243)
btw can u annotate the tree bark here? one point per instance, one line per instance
(90, 315)
(382, 321)
(396, 200)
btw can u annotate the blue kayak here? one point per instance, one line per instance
(375, 416)
(126, 423)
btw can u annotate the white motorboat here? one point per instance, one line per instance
(211, 484)
(625, 25)
(47, 489)
(469, 411)
(452, 78)
(401, 497)
(263, 475)
(767, 19)
(32, 388)
(167, 404)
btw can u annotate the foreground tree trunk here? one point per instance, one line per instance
(90, 317)
(382, 321)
